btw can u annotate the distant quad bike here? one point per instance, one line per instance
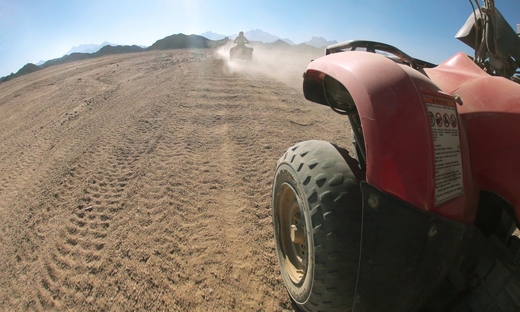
(241, 53)
(423, 215)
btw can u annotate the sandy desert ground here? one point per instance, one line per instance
(143, 181)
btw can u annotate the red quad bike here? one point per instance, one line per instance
(423, 215)
(241, 53)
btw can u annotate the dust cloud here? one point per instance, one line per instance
(283, 63)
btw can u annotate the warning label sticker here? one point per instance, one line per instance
(446, 140)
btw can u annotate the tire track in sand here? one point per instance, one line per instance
(160, 199)
(97, 188)
(90, 255)
(213, 213)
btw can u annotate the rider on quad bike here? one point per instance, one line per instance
(240, 50)
(241, 40)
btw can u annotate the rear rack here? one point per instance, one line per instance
(373, 46)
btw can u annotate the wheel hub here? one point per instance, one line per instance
(292, 237)
(297, 235)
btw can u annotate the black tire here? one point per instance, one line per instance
(316, 203)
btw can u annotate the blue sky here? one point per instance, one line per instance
(35, 30)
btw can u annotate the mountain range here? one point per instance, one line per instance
(262, 36)
(252, 35)
(177, 41)
(89, 48)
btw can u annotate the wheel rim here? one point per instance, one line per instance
(291, 234)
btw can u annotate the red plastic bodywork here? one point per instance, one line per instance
(390, 99)
(491, 115)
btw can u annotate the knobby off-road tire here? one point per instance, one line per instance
(316, 219)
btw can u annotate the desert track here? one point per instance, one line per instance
(143, 182)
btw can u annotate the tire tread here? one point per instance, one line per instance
(327, 179)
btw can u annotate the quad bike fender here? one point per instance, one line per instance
(391, 101)
(490, 112)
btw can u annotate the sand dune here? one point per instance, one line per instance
(143, 181)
